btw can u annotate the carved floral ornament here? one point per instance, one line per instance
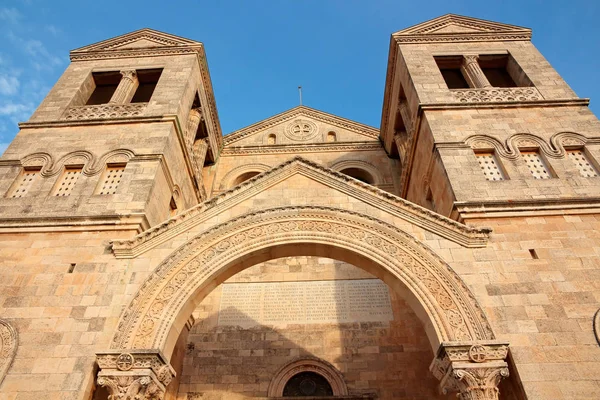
(301, 130)
(141, 375)
(555, 148)
(8, 347)
(92, 165)
(472, 369)
(447, 303)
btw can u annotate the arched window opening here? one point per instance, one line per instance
(244, 177)
(331, 137)
(307, 384)
(272, 139)
(360, 174)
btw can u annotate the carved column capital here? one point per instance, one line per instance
(129, 74)
(139, 374)
(474, 370)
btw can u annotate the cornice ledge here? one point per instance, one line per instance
(422, 217)
(137, 222)
(101, 121)
(304, 148)
(294, 112)
(505, 104)
(508, 208)
(517, 35)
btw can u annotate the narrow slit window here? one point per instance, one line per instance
(147, 78)
(111, 179)
(106, 84)
(67, 182)
(583, 163)
(536, 165)
(490, 166)
(172, 207)
(25, 182)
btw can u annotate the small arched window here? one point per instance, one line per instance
(271, 139)
(244, 177)
(307, 384)
(331, 137)
(360, 174)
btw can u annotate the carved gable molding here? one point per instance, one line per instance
(92, 165)
(8, 347)
(143, 40)
(294, 113)
(422, 217)
(554, 148)
(153, 315)
(458, 28)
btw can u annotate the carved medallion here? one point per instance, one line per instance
(301, 130)
(478, 353)
(124, 362)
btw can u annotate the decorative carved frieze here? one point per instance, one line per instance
(473, 369)
(503, 95)
(104, 111)
(143, 374)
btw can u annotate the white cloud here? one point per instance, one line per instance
(11, 15)
(9, 85)
(17, 110)
(41, 58)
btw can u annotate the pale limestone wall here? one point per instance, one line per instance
(380, 358)
(137, 193)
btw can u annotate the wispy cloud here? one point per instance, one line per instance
(9, 85)
(14, 109)
(41, 58)
(10, 15)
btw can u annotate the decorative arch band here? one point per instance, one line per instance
(92, 165)
(442, 300)
(554, 148)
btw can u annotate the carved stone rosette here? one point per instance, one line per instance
(473, 369)
(139, 374)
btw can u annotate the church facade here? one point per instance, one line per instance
(454, 251)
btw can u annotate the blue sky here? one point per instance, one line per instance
(259, 51)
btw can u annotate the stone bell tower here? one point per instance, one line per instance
(120, 141)
(482, 123)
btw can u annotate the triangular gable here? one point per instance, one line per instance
(452, 27)
(388, 203)
(146, 39)
(366, 131)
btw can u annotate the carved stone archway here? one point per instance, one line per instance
(439, 297)
(311, 364)
(8, 347)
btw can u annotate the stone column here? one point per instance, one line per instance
(473, 73)
(194, 120)
(139, 374)
(199, 152)
(127, 87)
(474, 370)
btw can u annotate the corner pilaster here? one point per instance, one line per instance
(474, 370)
(140, 374)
